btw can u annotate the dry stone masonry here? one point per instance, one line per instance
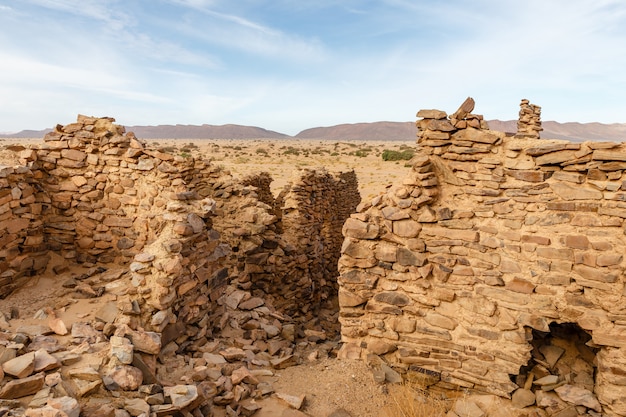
(529, 123)
(497, 265)
(215, 282)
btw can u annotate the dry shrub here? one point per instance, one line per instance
(413, 400)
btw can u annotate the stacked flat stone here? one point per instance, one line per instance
(529, 123)
(489, 237)
(435, 125)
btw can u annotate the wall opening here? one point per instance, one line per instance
(561, 358)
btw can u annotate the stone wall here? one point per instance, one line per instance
(22, 205)
(488, 239)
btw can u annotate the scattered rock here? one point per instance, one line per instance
(294, 401)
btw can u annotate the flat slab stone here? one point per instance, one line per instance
(578, 396)
(464, 407)
(294, 401)
(20, 366)
(552, 354)
(19, 388)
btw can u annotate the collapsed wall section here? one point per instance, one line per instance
(488, 238)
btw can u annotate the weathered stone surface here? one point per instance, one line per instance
(360, 230)
(570, 192)
(394, 298)
(45, 362)
(350, 299)
(406, 228)
(432, 114)
(122, 349)
(294, 401)
(183, 396)
(124, 377)
(148, 342)
(465, 407)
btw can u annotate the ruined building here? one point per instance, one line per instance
(202, 265)
(495, 257)
(496, 266)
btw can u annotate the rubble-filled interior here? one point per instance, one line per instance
(561, 361)
(214, 282)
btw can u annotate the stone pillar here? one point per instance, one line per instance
(529, 123)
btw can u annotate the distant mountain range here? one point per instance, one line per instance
(381, 131)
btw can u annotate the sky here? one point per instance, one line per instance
(289, 65)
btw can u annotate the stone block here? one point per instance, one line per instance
(555, 253)
(407, 228)
(570, 192)
(596, 274)
(359, 230)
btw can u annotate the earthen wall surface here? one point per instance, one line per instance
(488, 238)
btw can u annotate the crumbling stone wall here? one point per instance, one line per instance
(315, 207)
(488, 238)
(23, 252)
(214, 264)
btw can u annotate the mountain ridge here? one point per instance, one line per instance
(382, 130)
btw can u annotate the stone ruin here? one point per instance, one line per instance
(497, 266)
(215, 280)
(529, 123)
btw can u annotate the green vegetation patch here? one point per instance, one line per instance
(390, 155)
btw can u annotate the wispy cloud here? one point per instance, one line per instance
(245, 34)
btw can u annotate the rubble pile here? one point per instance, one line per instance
(103, 367)
(488, 237)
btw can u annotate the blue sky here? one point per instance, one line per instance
(288, 65)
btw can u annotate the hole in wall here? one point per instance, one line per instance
(561, 356)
